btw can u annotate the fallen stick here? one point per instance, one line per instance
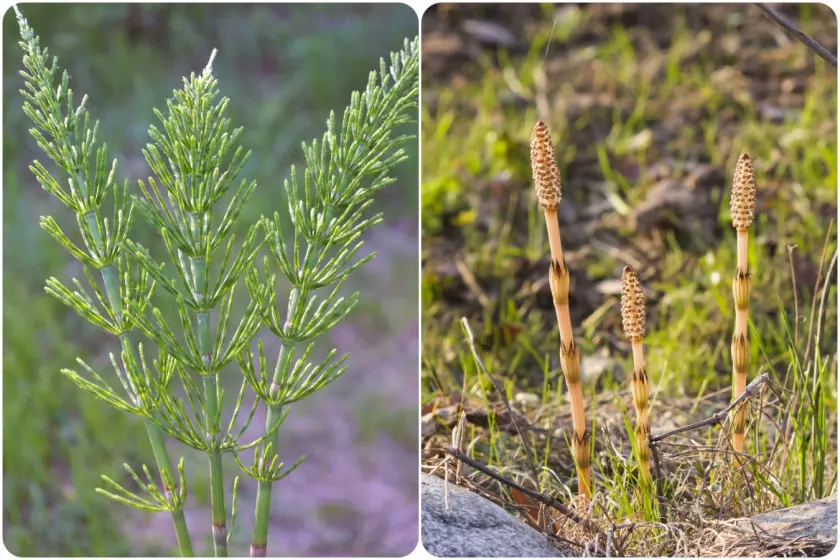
(720, 416)
(542, 498)
(803, 37)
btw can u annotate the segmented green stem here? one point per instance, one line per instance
(164, 463)
(259, 536)
(212, 418)
(182, 534)
(217, 487)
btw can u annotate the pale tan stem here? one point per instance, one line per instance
(560, 310)
(739, 370)
(584, 485)
(639, 366)
(638, 354)
(564, 323)
(564, 320)
(642, 424)
(740, 382)
(742, 317)
(742, 206)
(578, 418)
(553, 228)
(642, 417)
(569, 357)
(738, 445)
(743, 248)
(570, 363)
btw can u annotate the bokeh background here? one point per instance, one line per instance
(284, 68)
(649, 106)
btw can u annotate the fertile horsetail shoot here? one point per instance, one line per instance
(742, 210)
(633, 320)
(547, 186)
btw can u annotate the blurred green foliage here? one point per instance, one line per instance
(284, 68)
(664, 84)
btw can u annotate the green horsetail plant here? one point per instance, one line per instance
(742, 210)
(63, 132)
(548, 193)
(328, 214)
(197, 161)
(634, 320)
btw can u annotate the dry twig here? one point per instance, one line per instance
(797, 33)
(717, 418)
(542, 498)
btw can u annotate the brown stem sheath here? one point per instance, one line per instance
(641, 390)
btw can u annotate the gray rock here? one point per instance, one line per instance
(474, 526)
(812, 519)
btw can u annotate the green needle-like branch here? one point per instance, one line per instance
(154, 499)
(291, 382)
(184, 419)
(267, 467)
